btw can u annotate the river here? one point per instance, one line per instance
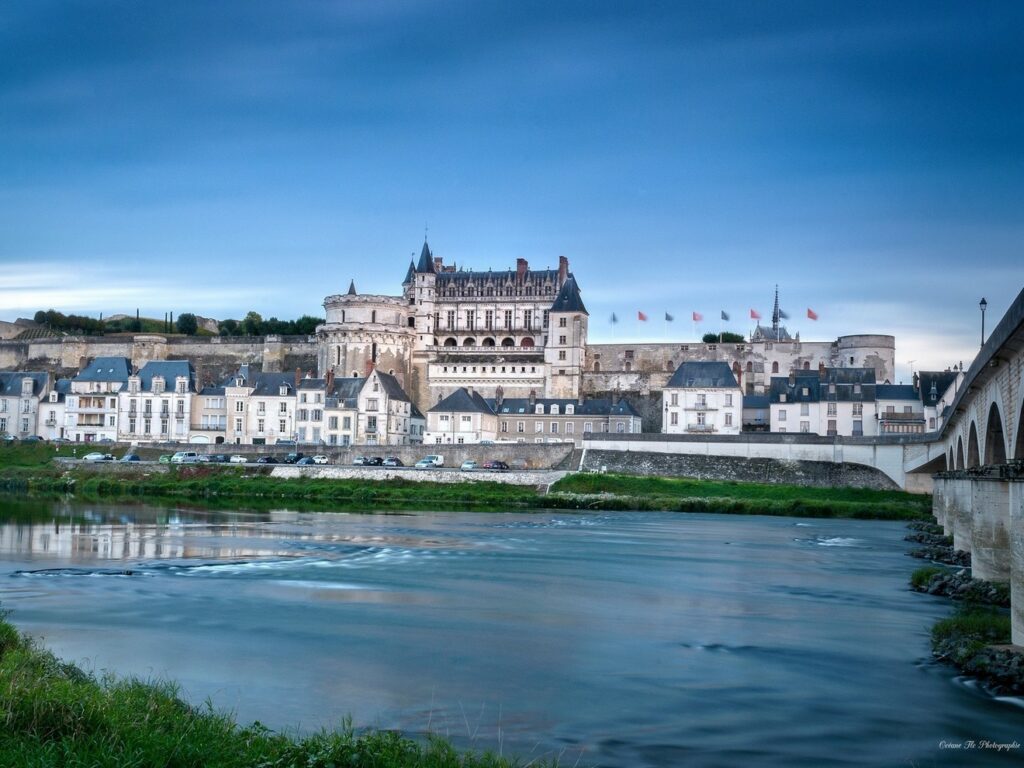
(613, 639)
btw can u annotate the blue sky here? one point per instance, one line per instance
(221, 157)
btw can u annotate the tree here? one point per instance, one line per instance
(726, 337)
(228, 327)
(306, 325)
(252, 325)
(187, 324)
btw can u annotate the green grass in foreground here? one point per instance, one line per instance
(961, 636)
(53, 714)
(922, 576)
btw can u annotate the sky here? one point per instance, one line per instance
(216, 158)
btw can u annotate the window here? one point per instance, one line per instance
(775, 367)
(702, 400)
(371, 404)
(620, 427)
(782, 397)
(805, 409)
(674, 399)
(856, 389)
(588, 426)
(467, 419)
(450, 318)
(931, 423)
(832, 426)
(561, 354)
(554, 409)
(728, 398)
(805, 391)
(238, 425)
(489, 319)
(470, 317)
(163, 426)
(782, 414)
(831, 389)
(561, 324)
(538, 426)
(508, 318)
(239, 406)
(673, 418)
(283, 409)
(831, 409)
(570, 428)
(346, 422)
(261, 425)
(701, 419)
(504, 426)
(908, 409)
(858, 409)
(728, 419)
(520, 426)
(805, 426)
(528, 319)
(561, 339)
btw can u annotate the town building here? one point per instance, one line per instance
(558, 420)
(90, 408)
(51, 411)
(20, 396)
(702, 398)
(756, 413)
(830, 401)
(156, 404)
(464, 417)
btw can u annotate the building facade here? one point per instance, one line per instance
(830, 401)
(702, 398)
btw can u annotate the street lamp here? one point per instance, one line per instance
(983, 305)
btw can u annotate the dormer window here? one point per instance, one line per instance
(805, 391)
(539, 408)
(782, 397)
(856, 389)
(570, 410)
(133, 386)
(26, 387)
(554, 410)
(283, 391)
(158, 384)
(181, 387)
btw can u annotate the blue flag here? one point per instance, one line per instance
(725, 315)
(668, 318)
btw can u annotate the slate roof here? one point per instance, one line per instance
(895, 392)
(414, 412)
(269, 384)
(392, 387)
(411, 274)
(702, 374)
(942, 380)
(568, 299)
(352, 288)
(10, 382)
(462, 401)
(756, 401)
(106, 369)
(594, 406)
(817, 386)
(170, 370)
(426, 263)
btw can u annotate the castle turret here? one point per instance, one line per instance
(567, 340)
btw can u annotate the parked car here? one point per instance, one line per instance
(393, 461)
(374, 461)
(305, 461)
(500, 466)
(293, 457)
(218, 458)
(32, 439)
(185, 457)
(105, 440)
(469, 465)
(359, 461)
(203, 458)
(431, 461)
(131, 457)
(321, 459)
(165, 458)
(266, 460)
(96, 456)
(237, 459)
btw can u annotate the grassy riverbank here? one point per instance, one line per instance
(30, 468)
(53, 714)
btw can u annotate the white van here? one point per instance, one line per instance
(185, 457)
(428, 462)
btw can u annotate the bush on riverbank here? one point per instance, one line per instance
(54, 714)
(920, 578)
(963, 635)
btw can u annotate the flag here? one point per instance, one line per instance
(755, 315)
(725, 315)
(697, 317)
(812, 314)
(783, 315)
(668, 318)
(641, 317)
(614, 319)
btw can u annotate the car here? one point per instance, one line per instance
(499, 466)
(321, 459)
(285, 442)
(96, 456)
(469, 465)
(359, 461)
(32, 439)
(293, 457)
(185, 457)
(237, 459)
(266, 460)
(165, 458)
(431, 461)
(105, 440)
(218, 458)
(7, 438)
(374, 461)
(131, 457)
(203, 458)
(60, 440)
(305, 461)
(393, 461)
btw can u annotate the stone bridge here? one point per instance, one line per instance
(979, 460)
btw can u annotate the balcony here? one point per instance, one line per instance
(50, 422)
(702, 428)
(902, 417)
(700, 407)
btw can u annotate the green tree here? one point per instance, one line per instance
(228, 327)
(306, 325)
(252, 325)
(726, 337)
(187, 324)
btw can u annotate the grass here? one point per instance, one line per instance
(54, 714)
(29, 468)
(964, 634)
(922, 576)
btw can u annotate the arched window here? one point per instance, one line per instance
(527, 343)
(807, 365)
(337, 356)
(508, 342)
(775, 367)
(629, 367)
(470, 342)
(450, 342)
(597, 367)
(373, 351)
(488, 342)
(373, 316)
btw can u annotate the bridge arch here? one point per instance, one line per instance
(950, 461)
(1018, 449)
(960, 452)
(973, 455)
(995, 442)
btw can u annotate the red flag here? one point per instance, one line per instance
(697, 317)
(812, 314)
(641, 317)
(755, 315)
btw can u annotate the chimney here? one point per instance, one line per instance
(916, 382)
(821, 370)
(499, 397)
(438, 263)
(298, 377)
(521, 267)
(330, 381)
(792, 378)
(563, 270)
(533, 394)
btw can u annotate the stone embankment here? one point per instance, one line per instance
(959, 585)
(938, 548)
(540, 478)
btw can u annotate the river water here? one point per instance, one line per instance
(614, 639)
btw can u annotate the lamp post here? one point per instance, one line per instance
(983, 305)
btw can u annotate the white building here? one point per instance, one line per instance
(385, 411)
(829, 401)
(209, 422)
(51, 411)
(464, 417)
(156, 404)
(90, 410)
(559, 420)
(20, 396)
(702, 397)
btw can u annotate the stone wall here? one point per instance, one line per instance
(816, 474)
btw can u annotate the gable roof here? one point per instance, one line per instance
(392, 387)
(269, 384)
(106, 369)
(813, 387)
(414, 412)
(942, 380)
(895, 392)
(593, 406)
(568, 299)
(756, 401)
(462, 401)
(10, 382)
(702, 374)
